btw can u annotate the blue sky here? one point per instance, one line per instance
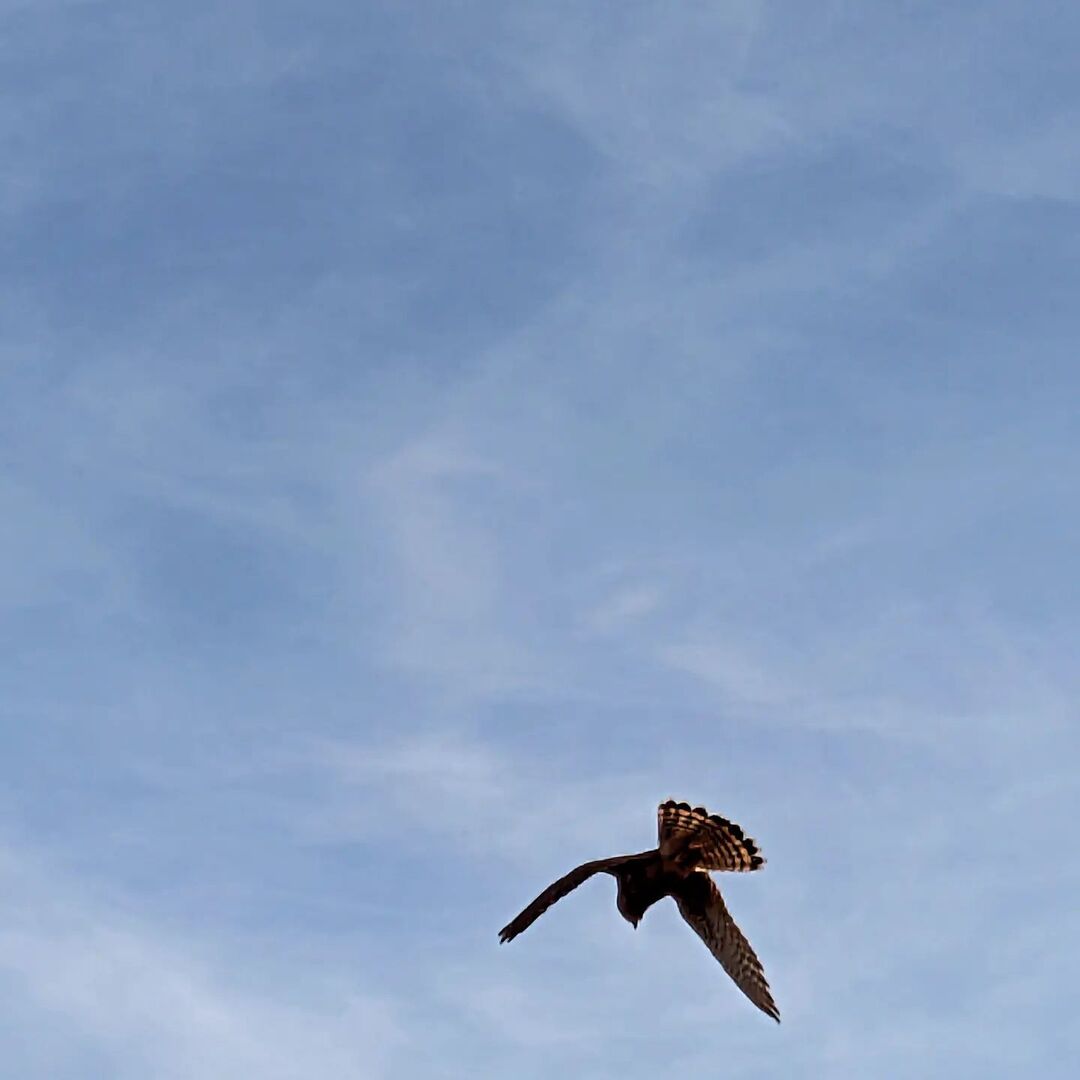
(434, 434)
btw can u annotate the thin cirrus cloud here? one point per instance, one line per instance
(140, 1004)
(431, 439)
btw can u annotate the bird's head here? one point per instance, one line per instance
(632, 916)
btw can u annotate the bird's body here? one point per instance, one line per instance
(641, 883)
(692, 842)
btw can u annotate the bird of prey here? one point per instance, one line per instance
(692, 842)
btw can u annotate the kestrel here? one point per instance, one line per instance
(691, 843)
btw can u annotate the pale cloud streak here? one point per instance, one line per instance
(450, 620)
(156, 1005)
(433, 439)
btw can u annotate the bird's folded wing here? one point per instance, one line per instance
(703, 908)
(557, 891)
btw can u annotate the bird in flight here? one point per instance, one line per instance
(692, 842)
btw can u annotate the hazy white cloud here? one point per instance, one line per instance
(921, 673)
(1043, 163)
(432, 440)
(658, 120)
(737, 677)
(625, 606)
(450, 618)
(486, 801)
(152, 1004)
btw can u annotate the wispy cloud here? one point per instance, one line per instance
(625, 605)
(917, 672)
(485, 801)
(431, 438)
(450, 618)
(150, 1003)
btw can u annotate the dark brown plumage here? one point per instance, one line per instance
(691, 843)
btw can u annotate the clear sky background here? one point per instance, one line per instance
(434, 433)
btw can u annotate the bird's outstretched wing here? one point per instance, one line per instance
(696, 838)
(704, 909)
(557, 891)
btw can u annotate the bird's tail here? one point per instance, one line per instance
(706, 841)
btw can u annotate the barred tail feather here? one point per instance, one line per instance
(704, 840)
